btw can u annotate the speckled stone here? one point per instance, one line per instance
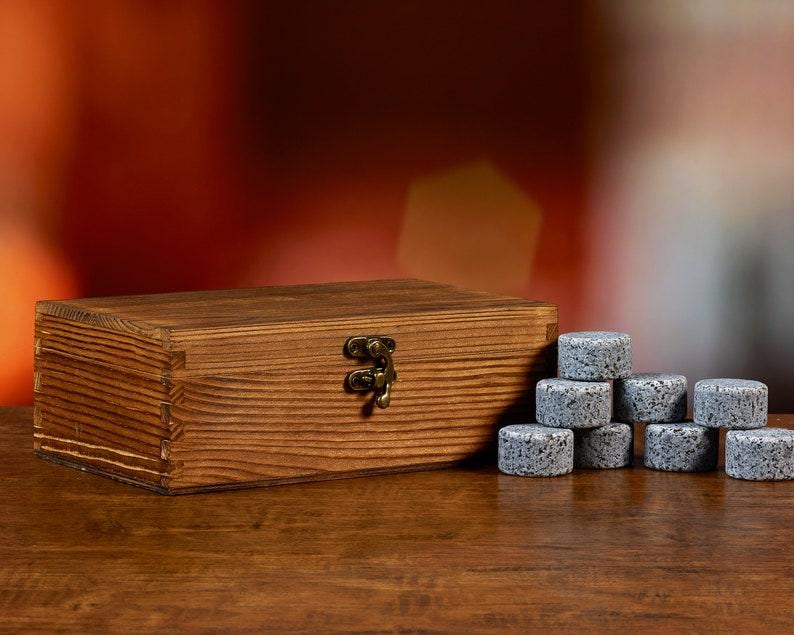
(609, 446)
(651, 398)
(681, 447)
(594, 355)
(736, 404)
(760, 455)
(534, 450)
(563, 403)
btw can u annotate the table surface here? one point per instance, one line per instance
(465, 550)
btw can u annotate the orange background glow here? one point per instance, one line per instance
(506, 146)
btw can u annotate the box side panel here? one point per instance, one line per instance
(91, 414)
(292, 419)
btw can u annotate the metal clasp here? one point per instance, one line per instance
(382, 376)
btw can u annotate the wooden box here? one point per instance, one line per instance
(188, 392)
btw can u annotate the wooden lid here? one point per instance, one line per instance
(210, 333)
(275, 305)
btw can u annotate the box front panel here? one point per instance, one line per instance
(281, 412)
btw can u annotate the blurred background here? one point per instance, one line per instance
(632, 162)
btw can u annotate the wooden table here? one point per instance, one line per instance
(465, 550)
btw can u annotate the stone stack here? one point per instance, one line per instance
(575, 427)
(659, 400)
(576, 407)
(753, 452)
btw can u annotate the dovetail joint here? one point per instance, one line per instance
(165, 413)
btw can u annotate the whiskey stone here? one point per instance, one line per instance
(563, 403)
(651, 398)
(534, 450)
(594, 355)
(681, 447)
(607, 447)
(736, 404)
(760, 455)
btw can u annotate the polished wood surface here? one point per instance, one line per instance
(239, 388)
(459, 550)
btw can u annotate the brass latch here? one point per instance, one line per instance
(382, 376)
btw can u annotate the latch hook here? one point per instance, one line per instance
(382, 376)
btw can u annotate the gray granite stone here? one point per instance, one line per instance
(681, 447)
(534, 450)
(736, 404)
(594, 355)
(766, 454)
(651, 398)
(563, 403)
(609, 446)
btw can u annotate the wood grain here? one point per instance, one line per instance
(182, 392)
(444, 551)
(94, 411)
(272, 305)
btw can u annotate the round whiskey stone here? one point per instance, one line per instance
(737, 404)
(609, 446)
(563, 403)
(534, 450)
(594, 355)
(760, 455)
(681, 447)
(651, 398)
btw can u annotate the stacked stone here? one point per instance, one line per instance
(574, 427)
(573, 412)
(659, 400)
(752, 451)
(680, 447)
